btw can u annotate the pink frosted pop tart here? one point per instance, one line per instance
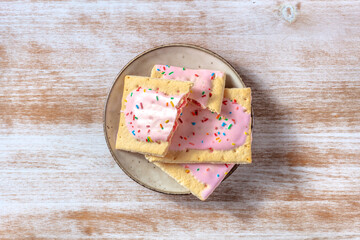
(149, 114)
(208, 89)
(200, 179)
(207, 137)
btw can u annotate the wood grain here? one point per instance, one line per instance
(58, 60)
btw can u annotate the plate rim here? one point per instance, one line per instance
(112, 86)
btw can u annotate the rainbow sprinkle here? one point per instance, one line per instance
(161, 126)
(166, 121)
(157, 98)
(133, 132)
(230, 126)
(171, 73)
(172, 104)
(149, 139)
(131, 94)
(193, 123)
(137, 106)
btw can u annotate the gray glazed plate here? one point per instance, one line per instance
(184, 55)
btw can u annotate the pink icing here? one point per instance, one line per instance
(210, 175)
(201, 129)
(202, 78)
(151, 115)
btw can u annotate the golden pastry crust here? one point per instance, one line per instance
(177, 172)
(218, 86)
(126, 141)
(239, 155)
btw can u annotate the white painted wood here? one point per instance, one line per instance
(58, 179)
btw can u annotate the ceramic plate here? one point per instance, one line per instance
(184, 55)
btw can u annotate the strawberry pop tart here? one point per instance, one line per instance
(149, 113)
(207, 137)
(208, 89)
(201, 179)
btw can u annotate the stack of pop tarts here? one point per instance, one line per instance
(187, 123)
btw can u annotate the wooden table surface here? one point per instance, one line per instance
(59, 59)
